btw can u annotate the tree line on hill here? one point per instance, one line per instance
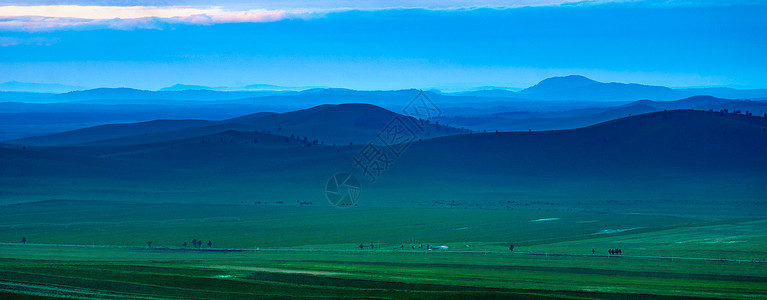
(196, 244)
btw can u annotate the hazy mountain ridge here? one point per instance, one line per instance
(109, 95)
(576, 87)
(250, 87)
(576, 118)
(572, 87)
(328, 124)
(698, 153)
(15, 86)
(517, 117)
(476, 110)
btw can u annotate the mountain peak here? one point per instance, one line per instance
(183, 87)
(555, 84)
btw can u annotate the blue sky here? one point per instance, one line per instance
(382, 44)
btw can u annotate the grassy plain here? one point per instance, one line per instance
(99, 250)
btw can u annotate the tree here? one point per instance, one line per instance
(194, 243)
(511, 247)
(149, 244)
(361, 246)
(24, 240)
(210, 244)
(593, 251)
(184, 244)
(199, 244)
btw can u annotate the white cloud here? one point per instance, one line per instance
(109, 14)
(51, 17)
(102, 12)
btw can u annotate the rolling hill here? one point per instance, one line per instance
(111, 131)
(331, 124)
(35, 113)
(673, 162)
(581, 117)
(695, 102)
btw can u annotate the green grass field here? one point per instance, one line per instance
(99, 250)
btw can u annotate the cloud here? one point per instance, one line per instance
(260, 15)
(52, 17)
(127, 15)
(103, 12)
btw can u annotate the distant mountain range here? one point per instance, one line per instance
(251, 87)
(567, 88)
(580, 88)
(20, 120)
(134, 96)
(555, 103)
(15, 86)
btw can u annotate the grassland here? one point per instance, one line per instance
(97, 249)
(682, 194)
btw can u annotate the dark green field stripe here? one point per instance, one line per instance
(294, 285)
(15, 296)
(450, 290)
(570, 270)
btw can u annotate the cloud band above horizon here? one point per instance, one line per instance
(52, 17)
(33, 16)
(367, 48)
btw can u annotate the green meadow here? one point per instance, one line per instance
(99, 249)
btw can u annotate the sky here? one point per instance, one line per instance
(448, 45)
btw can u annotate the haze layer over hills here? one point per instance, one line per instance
(555, 103)
(660, 160)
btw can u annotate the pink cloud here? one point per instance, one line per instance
(254, 16)
(47, 18)
(41, 23)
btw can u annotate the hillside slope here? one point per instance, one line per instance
(674, 162)
(329, 124)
